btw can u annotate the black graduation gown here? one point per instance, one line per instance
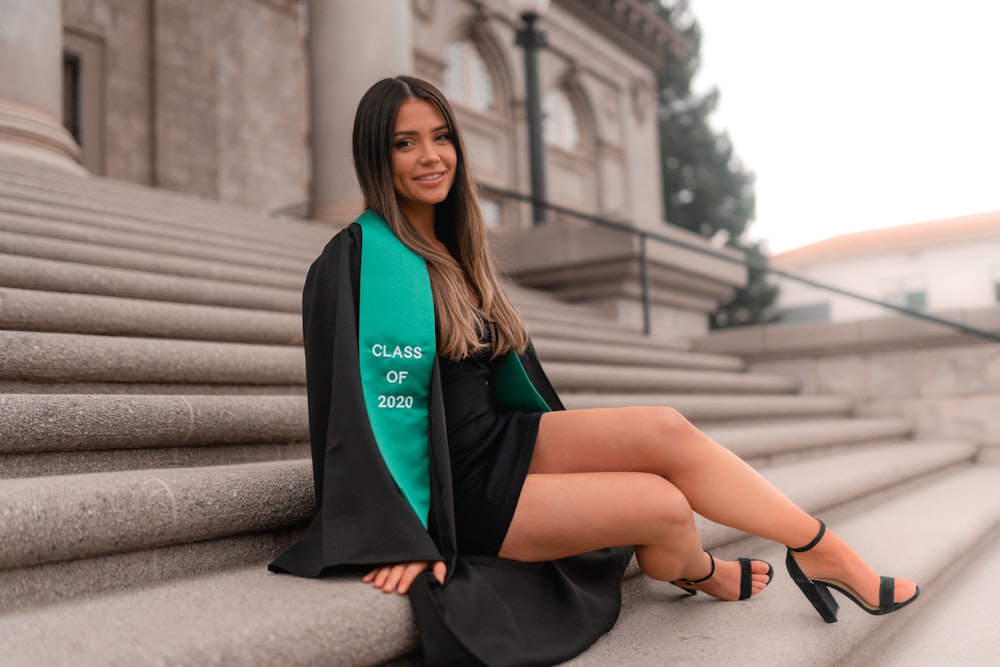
(490, 611)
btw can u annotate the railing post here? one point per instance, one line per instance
(644, 282)
(533, 39)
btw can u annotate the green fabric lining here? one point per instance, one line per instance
(513, 388)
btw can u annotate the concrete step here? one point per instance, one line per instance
(72, 434)
(72, 234)
(82, 462)
(918, 535)
(618, 336)
(168, 228)
(552, 349)
(57, 386)
(177, 212)
(569, 376)
(879, 467)
(577, 320)
(82, 267)
(51, 357)
(249, 616)
(72, 277)
(721, 408)
(559, 317)
(56, 312)
(70, 517)
(41, 357)
(155, 262)
(527, 297)
(955, 625)
(37, 310)
(58, 583)
(769, 439)
(34, 423)
(151, 241)
(46, 184)
(245, 617)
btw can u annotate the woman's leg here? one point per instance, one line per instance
(560, 515)
(718, 485)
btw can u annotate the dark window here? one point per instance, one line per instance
(71, 94)
(815, 312)
(916, 300)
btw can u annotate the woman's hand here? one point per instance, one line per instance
(399, 577)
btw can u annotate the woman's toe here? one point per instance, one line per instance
(905, 590)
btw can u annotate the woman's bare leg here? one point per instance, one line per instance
(718, 485)
(560, 515)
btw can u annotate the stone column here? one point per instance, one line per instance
(351, 46)
(31, 85)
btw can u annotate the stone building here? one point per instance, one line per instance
(251, 102)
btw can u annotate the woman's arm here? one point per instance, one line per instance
(399, 577)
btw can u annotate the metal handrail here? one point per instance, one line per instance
(750, 264)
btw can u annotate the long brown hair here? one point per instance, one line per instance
(458, 222)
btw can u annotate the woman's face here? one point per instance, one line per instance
(423, 157)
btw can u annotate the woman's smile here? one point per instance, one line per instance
(423, 159)
(431, 179)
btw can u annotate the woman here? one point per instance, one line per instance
(521, 508)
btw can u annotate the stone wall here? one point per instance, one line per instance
(205, 98)
(946, 382)
(121, 28)
(948, 392)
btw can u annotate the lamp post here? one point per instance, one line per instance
(532, 39)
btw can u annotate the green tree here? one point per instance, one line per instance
(706, 188)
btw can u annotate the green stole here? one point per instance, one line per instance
(396, 350)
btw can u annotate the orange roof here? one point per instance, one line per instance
(903, 237)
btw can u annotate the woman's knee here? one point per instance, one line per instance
(663, 505)
(667, 424)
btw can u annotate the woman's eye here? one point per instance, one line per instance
(443, 137)
(404, 143)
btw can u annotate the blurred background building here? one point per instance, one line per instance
(929, 266)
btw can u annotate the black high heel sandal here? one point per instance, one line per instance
(817, 591)
(746, 577)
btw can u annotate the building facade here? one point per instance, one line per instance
(228, 99)
(251, 102)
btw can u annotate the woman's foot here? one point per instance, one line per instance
(832, 561)
(730, 580)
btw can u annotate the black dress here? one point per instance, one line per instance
(490, 451)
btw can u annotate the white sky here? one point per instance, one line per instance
(857, 114)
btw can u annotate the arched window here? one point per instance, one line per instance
(561, 124)
(467, 78)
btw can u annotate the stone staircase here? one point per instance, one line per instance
(154, 456)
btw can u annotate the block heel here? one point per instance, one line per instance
(818, 594)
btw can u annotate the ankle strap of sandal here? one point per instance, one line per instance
(819, 536)
(688, 582)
